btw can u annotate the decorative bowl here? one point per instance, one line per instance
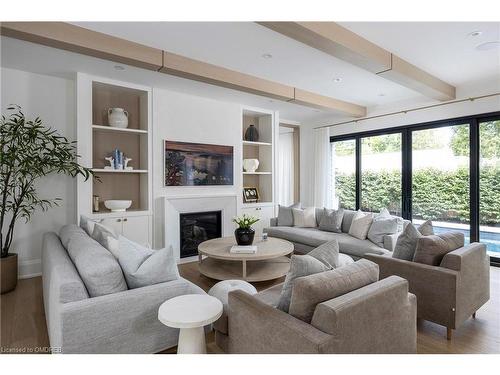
(117, 205)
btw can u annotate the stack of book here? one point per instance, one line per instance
(243, 249)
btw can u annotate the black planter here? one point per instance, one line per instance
(244, 237)
(252, 134)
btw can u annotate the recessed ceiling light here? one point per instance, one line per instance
(337, 80)
(119, 67)
(476, 33)
(267, 56)
(487, 46)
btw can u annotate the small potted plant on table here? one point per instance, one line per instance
(28, 151)
(245, 233)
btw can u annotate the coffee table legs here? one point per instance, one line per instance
(192, 341)
(244, 270)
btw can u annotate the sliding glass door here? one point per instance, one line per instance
(381, 173)
(344, 173)
(440, 175)
(489, 186)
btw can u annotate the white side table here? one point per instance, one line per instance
(190, 313)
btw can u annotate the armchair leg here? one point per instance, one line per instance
(448, 333)
(474, 316)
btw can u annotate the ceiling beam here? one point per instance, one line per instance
(346, 45)
(87, 42)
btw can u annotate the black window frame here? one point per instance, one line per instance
(406, 176)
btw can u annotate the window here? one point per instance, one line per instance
(344, 173)
(381, 173)
(447, 171)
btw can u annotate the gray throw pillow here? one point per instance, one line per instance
(380, 228)
(327, 253)
(86, 224)
(406, 243)
(285, 215)
(432, 249)
(426, 228)
(70, 231)
(331, 220)
(143, 266)
(101, 234)
(300, 265)
(310, 290)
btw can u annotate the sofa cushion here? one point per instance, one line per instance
(86, 224)
(432, 249)
(347, 220)
(101, 234)
(270, 296)
(331, 220)
(406, 244)
(143, 266)
(300, 265)
(361, 223)
(426, 228)
(310, 290)
(67, 232)
(304, 217)
(314, 237)
(97, 267)
(327, 253)
(285, 215)
(382, 227)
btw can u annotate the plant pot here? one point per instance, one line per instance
(244, 237)
(9, 273)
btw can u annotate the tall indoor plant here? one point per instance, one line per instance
(29, 150)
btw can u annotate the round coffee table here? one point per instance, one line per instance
(270, 262)
(190, 313)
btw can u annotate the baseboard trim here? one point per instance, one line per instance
(27, 269)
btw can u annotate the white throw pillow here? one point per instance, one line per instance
(141, 265)
(101, 234)
(87, 225)
(361, 224)
(305, 218)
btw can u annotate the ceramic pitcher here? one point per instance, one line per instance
(117, 118)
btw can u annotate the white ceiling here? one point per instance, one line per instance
(443, 49)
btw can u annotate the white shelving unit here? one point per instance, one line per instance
(97, 140)
(264, 177)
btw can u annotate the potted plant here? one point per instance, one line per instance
(29, 150)
(245, 233)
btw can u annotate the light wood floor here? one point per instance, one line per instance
(23, 320)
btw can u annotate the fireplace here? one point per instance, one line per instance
(196, 227)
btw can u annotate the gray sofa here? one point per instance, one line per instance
(122, 322)
(377, 318)
(306, 239)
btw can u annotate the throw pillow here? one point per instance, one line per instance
(310, 290)
(381, 227)
(360, 226)
(406, 243)
(426, 228)
(141, 265)
(285, 215)
(304, 218)
(327, 253)
(300, 265)
(331, 220)
(432, 249)
(86, 224)
(101, 234)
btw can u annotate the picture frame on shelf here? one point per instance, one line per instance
(250, 194)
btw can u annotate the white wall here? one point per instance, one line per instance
(53, 99)
(468, 108)
(186, 118)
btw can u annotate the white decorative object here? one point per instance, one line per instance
(190, 313)
(117, 205)
(125, 163)
(118, 118)
(250, 165)
(222, 288)
(111, 163)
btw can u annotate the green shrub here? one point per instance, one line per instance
(437, 195)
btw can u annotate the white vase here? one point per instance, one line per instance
(117, 118)
(250, 165)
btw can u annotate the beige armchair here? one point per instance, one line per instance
(447, 294)
(377, 318)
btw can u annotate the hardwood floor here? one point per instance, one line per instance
(23, 320)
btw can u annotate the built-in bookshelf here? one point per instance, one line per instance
(97, 140)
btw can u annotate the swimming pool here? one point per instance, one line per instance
(490, 239)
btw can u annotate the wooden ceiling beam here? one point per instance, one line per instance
(346, 45)
(87, 42)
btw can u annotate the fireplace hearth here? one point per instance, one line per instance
(196, 227)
